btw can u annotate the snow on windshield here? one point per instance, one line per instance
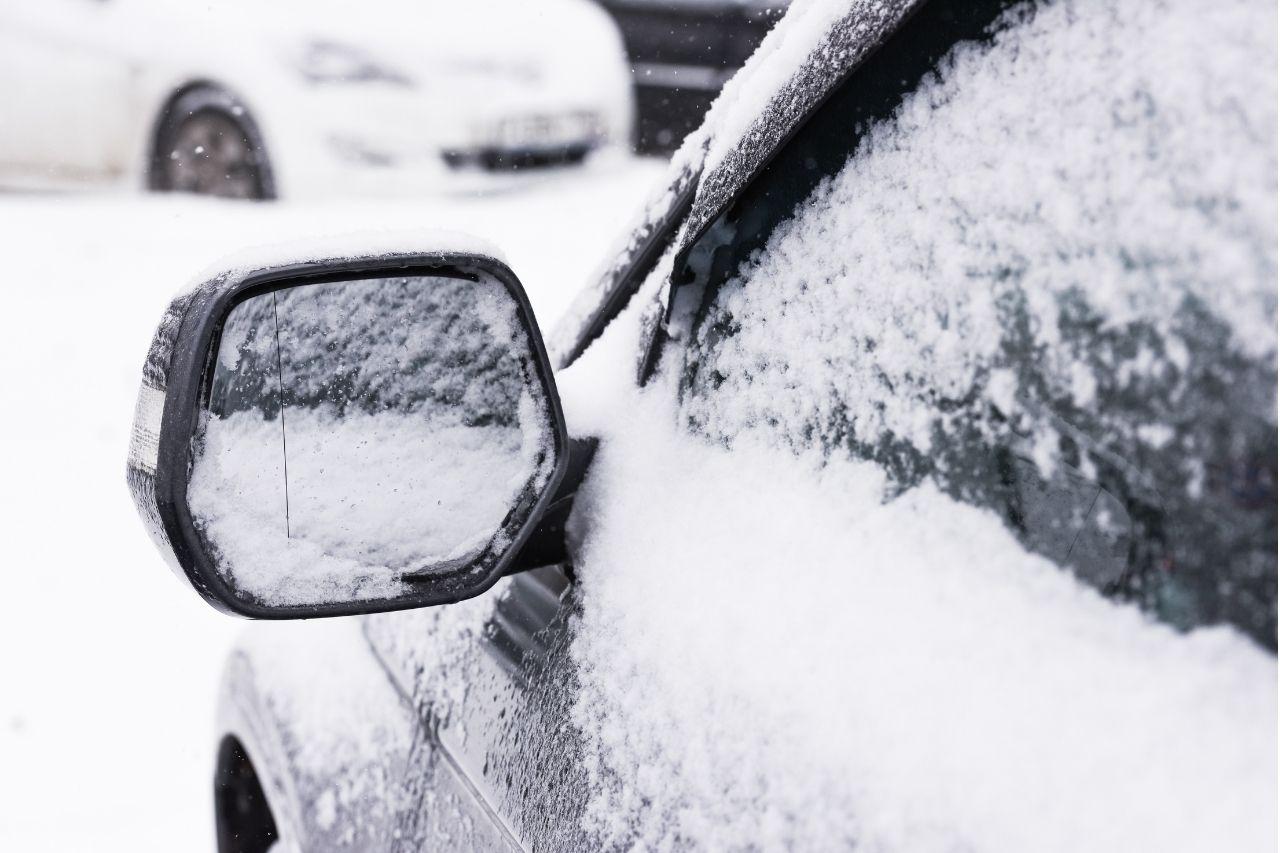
(361, 429)
(785, 645)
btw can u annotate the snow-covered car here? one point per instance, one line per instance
(284, 98)
(907, 483)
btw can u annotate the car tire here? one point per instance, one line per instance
(207, 143)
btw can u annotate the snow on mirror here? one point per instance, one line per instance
(363, 433)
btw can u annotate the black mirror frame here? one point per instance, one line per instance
(178, 369)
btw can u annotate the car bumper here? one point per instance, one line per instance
(352, 138)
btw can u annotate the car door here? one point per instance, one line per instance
(499, 763)
(511, 688)
(929, 440)
(496, 680)
(66, 99)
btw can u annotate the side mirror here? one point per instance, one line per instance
(350, 435)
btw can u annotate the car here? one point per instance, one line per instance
(681, 54)
(258, 100)
(907, 482)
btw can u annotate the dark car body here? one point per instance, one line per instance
(478, 739)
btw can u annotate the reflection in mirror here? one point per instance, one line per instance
(361, 431)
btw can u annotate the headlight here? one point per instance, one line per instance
(331, 62)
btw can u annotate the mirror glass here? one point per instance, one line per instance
(367, 435)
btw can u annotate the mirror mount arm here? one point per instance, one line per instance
(546, 545)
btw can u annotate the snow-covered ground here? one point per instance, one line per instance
(108, 666)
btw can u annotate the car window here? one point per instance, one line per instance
(1095, 366)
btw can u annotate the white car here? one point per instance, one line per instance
(263, 99)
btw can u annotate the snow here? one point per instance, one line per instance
(1133, 190)
(356, 541)
(109, 669)
(1139, 213)
(762, 663)
(798, 37)
(570, 334)
(960, 695)
(755, 107)
(791, 71)
(835, 688)
(795, 65)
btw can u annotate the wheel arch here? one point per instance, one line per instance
(243, 819)
(248, 735)
(330, 739)
(167, 112)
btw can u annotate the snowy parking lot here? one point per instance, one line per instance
(921, 496)
(110, 667)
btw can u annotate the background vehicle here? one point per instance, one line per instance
(927, 482)
(259, 99)
(681, 53)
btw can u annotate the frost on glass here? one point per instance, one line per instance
(1047, 284)
(358, 431)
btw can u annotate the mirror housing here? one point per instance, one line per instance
(177, 413)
